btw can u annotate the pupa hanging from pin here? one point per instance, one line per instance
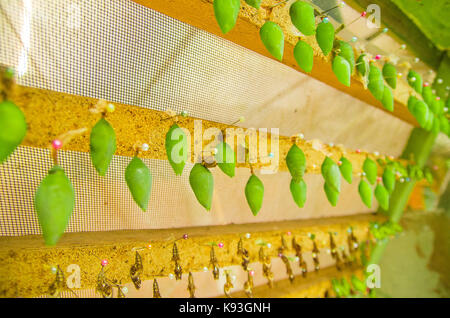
(139, 179)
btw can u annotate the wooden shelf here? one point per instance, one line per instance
(26, 262)
(200, 14)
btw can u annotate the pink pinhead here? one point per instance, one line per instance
(377, 57)
(426, 84)
(57, 144)
(220, 245)
(185, 236)
(252, 272)
(363, 14)
(339, 163)
(438, 98)
(288, 233)
(358, 150)
(379, 179)
(280, 254)
(435, 167)
(104, 262)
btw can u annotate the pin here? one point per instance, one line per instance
(173, 115)
(240, 120)
(343, 26)
(376, 34)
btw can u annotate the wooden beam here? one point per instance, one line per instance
(200, 14)
(26, 262)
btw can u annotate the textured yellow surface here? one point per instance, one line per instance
(26, 262)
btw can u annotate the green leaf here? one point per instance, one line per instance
(176, 148)
(102, 145)
(254, 3)
(346, 169)
(296, 162)
(415, 81)
(331, 174)
(371, 170)
(226, 12)
(388, 99)
(54, 202)
(389, 179)
(390, 74)
(325, 36)
(254, 193)
(376, 83)
(273, 39)
(346, 51)
(304, 56)
(139, 182)
(421, 112)
(365, 192)
(341, 69)
(382, 196)
(202, 183)
(362, 65)
(226, 159)
(13, 128)
(298, 191)
(332, 195)
(302, 17)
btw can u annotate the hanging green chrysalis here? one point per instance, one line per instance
(371, 170)
(13, 128)
(254, 3)
(420, 111)
(346, 51)
(54, 202)
(254, 193)
(411, 101)
(302, 17)
(388, 99)
(435, 129)
(415, 81)
(298, 191)
(429, 121)
(202, 183)
(273, 39)
(225, 158)
(346, 169)
(362, 65)
(332, 195)
(139, 182)
(296, 163)
(176, 148)
(427, 94)
(365, 192)
(102, 145)
(390, 74)
(389, 179)
(304, 56)
(376, 83)
(226, 12)
(358, 284)
(341, 69)
(325, 36)
(331, 174)
(345, 287)
(436, 106)
(444, 125)
(382, 196)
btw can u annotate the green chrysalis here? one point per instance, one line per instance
(376, 84)
(341, 69)
(304, 56)
(365, 192)
(346, 169)
(388, 99)
(346, 51)
(226, 159)
(444, 125)
(415, 81)
(362, 65)
(54, 202)
(421, 112)
(325, 36)
(389, 179)
(254, 3)
(298, 191)
(176, 148)
(332, 195)
(254, 193)
(13, 128)
(390, 74)
(331, 174)
(273, 39)
(139, 182)
(296, 162)
(427, 95)
(226, 12)
(382, 196)
(302, 17)
(371, 170)
(358, 284)
(202, 183)
(102, 145)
